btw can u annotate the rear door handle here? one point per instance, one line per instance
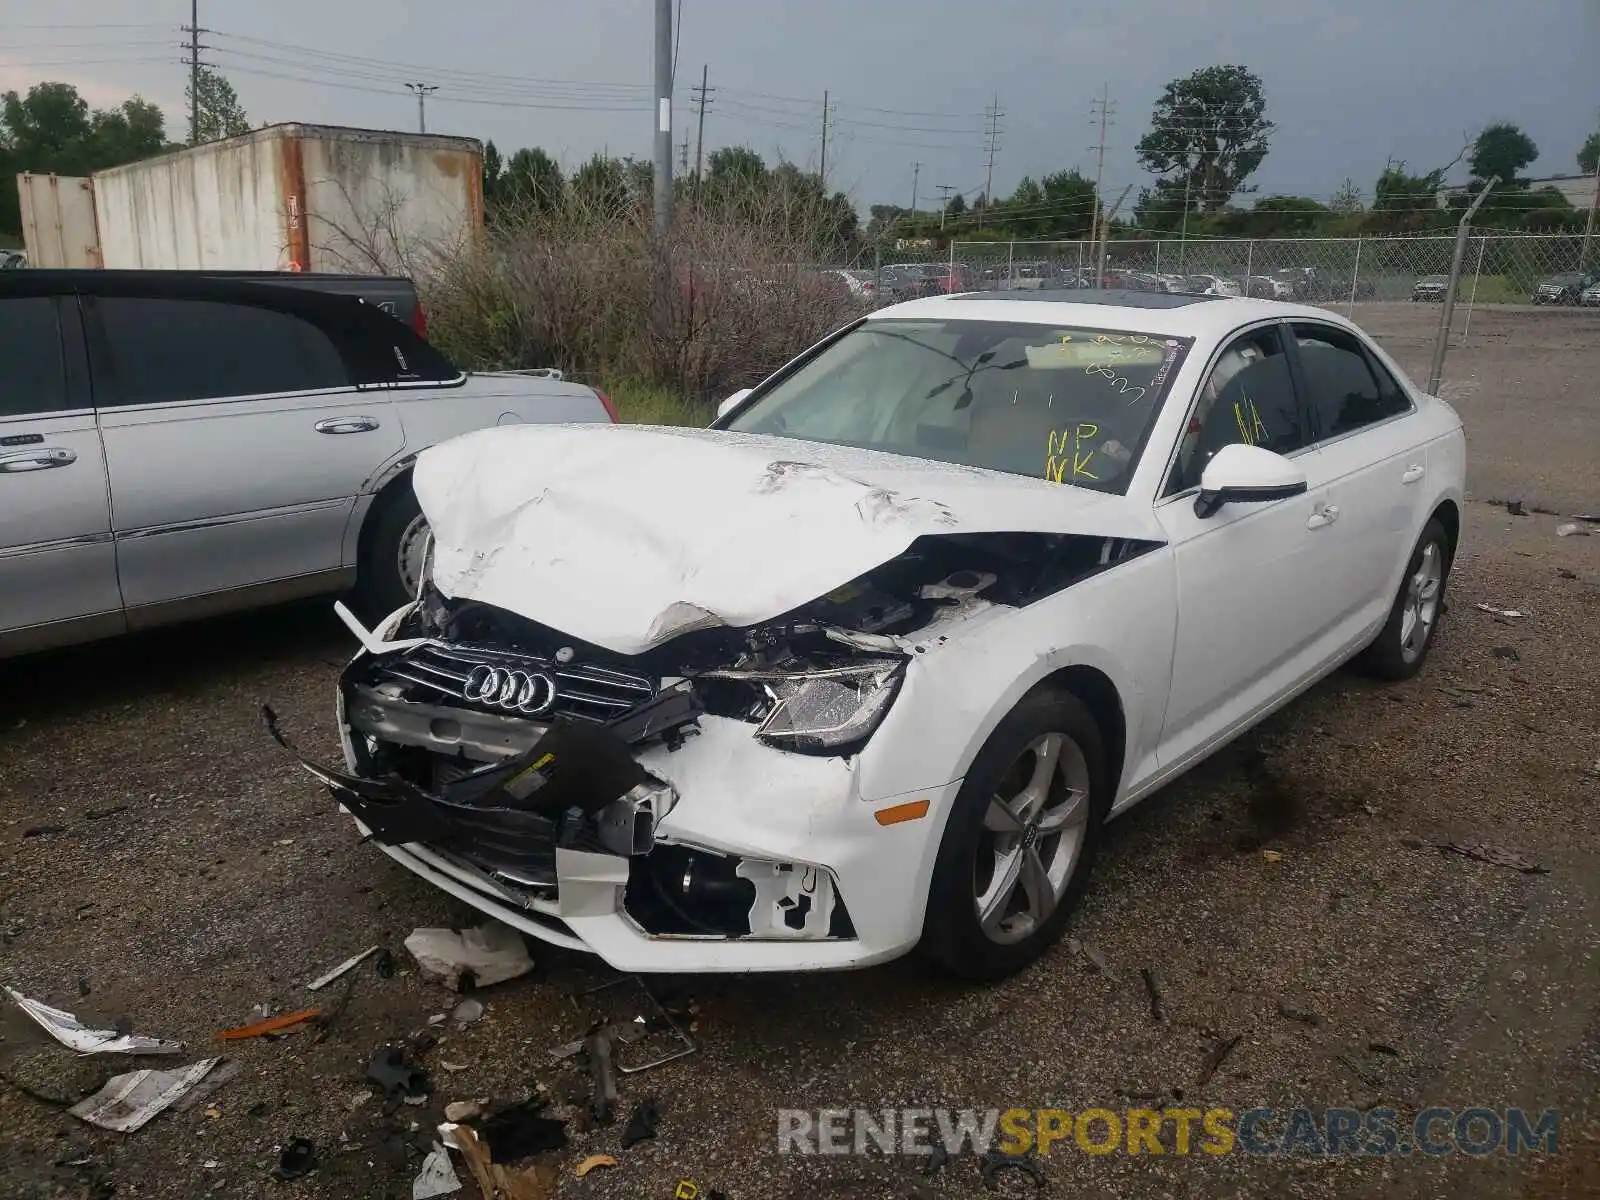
(1413, 473)
(1323, 517)
(346, 425)
(41, 459)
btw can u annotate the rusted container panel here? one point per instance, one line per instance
(297, 198)
(58, 221)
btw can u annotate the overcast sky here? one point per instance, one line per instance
(1349, 84)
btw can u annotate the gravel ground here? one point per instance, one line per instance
(187, 872)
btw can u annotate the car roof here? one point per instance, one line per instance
(1202, 317)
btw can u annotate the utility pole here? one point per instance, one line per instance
(1448, 309)
(683, 154)
(916, 169)
(422, 90)
(991, 143)
(663, 198)
(194, 72)
(944, 205)
(822, 171)
(1100, 110)
(702, 99)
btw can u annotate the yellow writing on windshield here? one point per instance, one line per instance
(1065, 455)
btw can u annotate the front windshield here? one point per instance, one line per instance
(1065, 404)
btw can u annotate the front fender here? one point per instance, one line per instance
(1121, 622)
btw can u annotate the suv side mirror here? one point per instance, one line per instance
(731, 403)
(1240, 474)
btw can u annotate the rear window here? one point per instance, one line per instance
(1065, 404)
(172, 350)
(32, 372)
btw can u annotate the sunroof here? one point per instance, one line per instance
(1121, 297)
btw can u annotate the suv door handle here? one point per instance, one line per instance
(346, 425)
(1413, 473)
(37, 460)
(1323, 517)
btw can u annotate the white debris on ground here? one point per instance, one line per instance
(73, 1034)
(490, 953)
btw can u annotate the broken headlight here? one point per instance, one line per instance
(824, 709)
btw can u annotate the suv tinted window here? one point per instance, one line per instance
(1250, 398)
(33, 375)
(1348, 388)
(166, 350)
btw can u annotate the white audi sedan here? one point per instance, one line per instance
(867, 666)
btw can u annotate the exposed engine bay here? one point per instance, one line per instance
(503, 743)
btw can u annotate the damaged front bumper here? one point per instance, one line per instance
(623, 837)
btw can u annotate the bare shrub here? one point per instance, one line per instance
(729, 297)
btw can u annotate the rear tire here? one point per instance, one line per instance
(1020, 841)
(387, 575)
(1402, 645)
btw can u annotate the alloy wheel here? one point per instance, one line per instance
(1033, 834)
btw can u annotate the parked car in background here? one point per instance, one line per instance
(175, 444)
(1265, 287)
(1563, 289)
(930, 625)
(1591, 295)
(1430, 288)
(1211, 285)
(860, 284)
(11, 260)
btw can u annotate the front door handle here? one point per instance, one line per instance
(346, 425)
(1413, 473)
(1323, 517)
(41, 459)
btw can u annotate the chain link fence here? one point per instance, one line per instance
(1338, 272)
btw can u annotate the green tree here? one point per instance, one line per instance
(1404, 202)
(52, 130)
(134, 131)
(735, 167)
(1210, 128)
(1285, 216)
(1589, 153)
(1070, 204)
(1160, 208)
(956, 205)
(532, 182)
(494, 168)
(221, 114)
(1501, 149)
(48, 129)
(1347, 200)
(601, 184)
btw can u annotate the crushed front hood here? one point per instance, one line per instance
(627, 536)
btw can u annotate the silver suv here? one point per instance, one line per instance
(173, 446)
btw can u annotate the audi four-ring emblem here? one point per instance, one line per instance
(527, 692)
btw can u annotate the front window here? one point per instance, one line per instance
(1065, 404)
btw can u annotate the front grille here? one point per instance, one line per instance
(583, 691)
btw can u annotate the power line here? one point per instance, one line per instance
(444, 75)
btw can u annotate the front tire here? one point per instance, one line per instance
(391, 565)
(1402, 646)
(1020, 840)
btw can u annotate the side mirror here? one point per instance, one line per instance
(732, 402)
(1240, 474)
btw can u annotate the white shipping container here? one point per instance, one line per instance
(294, 198)
(58, 221)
